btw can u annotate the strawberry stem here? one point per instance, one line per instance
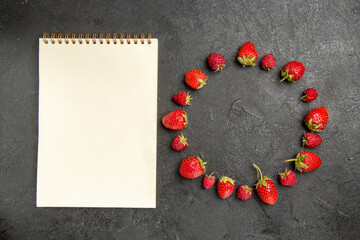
(290, 160)
(258, 171)
(211, 174)
(282, 79)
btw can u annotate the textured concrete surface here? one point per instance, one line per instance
(242, 116)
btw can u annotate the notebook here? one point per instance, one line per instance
(97, 121)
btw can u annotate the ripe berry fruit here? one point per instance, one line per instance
(175, 120)
(182, 98)
(196, 79)
(316, 120)
(287, 178)
(310, 95)
(265, 188)
(292, 71)
(306, 161)
(311, 140)
(216, 61)
(268, 62)
(179, 143)
(192, 167)
(247, 55)
(244, 192)
(208, 181)
(225, 187)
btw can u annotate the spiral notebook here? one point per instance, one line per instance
(97, 121)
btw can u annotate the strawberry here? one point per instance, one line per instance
(306, 161)
(292, 71)
(244, 192)
(208, 181)
(196, 79)
(179, 143)
(175, 120)
(316, 120)
(216, 61)
(247, 55)
(311, 140)
(225, 187)
(268, 62)
(182, 98)
(192, 167)
(287, 178)
(265, 188)
(310, 95)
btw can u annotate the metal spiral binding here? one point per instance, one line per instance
(88, 38)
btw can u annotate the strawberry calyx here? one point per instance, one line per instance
(284, 174)
(247, 60)
(304, 98)
(210, 175)
(247, 189)
(313, 127)
(220, 67)
(185, 118)
(285, 74)
(226, 179)
(202, 164)
(183, 140)
(188, 98)
(299, 165)
(304, 139)
(202, 82)
(262, 180)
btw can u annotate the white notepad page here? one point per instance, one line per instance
(97, 125)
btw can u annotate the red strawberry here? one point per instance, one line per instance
(196, 79)
(268, 62)
(182, 98)
(311, 140)
(244, 192)
(292, 71)
(265, 188)
(179, 143)
(216, 61)
(247, 55)
(175, 120)
(225, 187)
(208, 181)
(316, 120)
(310, 95)
(287, 178)
(306, 161)
(192, 167)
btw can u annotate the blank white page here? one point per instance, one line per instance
(97, 125)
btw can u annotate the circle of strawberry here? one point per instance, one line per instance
(175, 120)
(225, 187)
(265, 188)
(192, 167)
(311, 140)
(268, 62)
(287, 178)
(209, 181)
(182, 98)
(195, 79)
(179, 143)
(244, 192)
(306, 161)
(216, 61)
(247, 55)
(317, 119)
(292, 71)
(310, 95)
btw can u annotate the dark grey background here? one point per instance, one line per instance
(242, 116)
